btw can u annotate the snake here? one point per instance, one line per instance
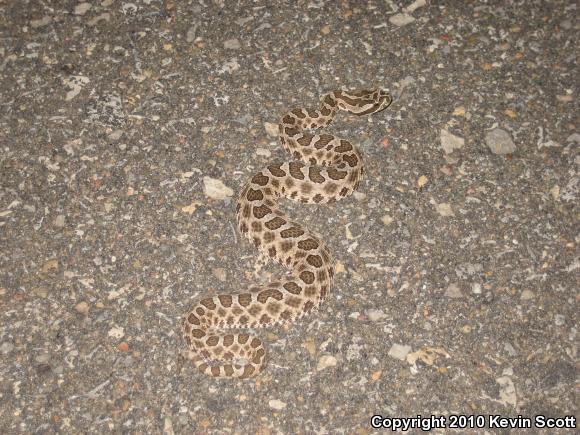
(219, 330)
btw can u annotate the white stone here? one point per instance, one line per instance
(276, 404)
(129, 8)
(232, 44)
(43, 358)
(375, 315)
(82, 8)
(220, 273)
(574, 137)
(75, 83)
(115, 135)
(82, 307)
(450, 142)
(271, 129)
(326, 361)
(216, 189)
(116, 332)
(507, 391)
(453, 291)
(44, 21)
(499, 141)
(6, 347)
(263, 152)
(230, 66)
(59, 221)
(415, 5)
(387, 220)
(444, 209)
(527, 295)
(401, 19)
(399, 351)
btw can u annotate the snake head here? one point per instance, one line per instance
(363, 102)
(378, 100)
(383, 99)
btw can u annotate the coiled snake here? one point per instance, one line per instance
(327, 169)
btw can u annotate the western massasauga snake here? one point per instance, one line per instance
(326, 169)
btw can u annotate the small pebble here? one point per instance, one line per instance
(232, 44)
(453, 291)
(326, 361)
(387, 220)
(263, 152)
(43, 358)
(220, 273)
(375, 315)
(115, 135)
(116, 332)
(400, 20)
(422, 180)
(444, 209)
(44, 21)
(565, 98)
(82, 307)
(6, 347)
(415, 5)
(446, 170)
(310, 346)
(230, 66)
(82, 8)
(510, 349)
(375, 376)
(276, 404)
(510, 113)
(216, 189)
(507, 391)
(49, 265)
(476, 288)
(399, 351)
(450, 142)
(555, 192)
(190, 35)
(499, 141)
(271, 129)
(527, 295)
(59, 221)
(41, 292)
(574, 137)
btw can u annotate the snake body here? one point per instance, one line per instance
(326, 169)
